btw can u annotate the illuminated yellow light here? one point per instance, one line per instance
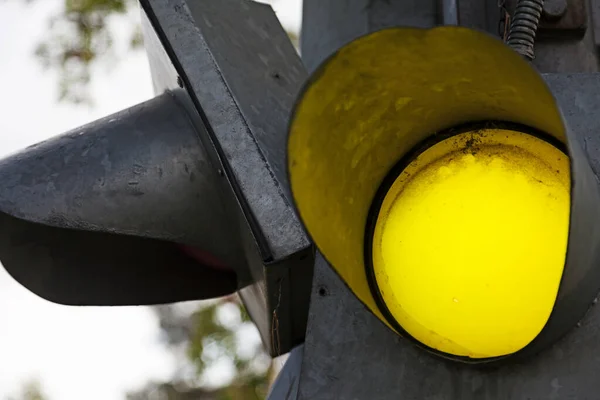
(470, 242)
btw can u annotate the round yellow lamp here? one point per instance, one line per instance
(470, 241)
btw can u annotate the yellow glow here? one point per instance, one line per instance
(470, 243)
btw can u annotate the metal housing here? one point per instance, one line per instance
(342, 332)
(243, 74)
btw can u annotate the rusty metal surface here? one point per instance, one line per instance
(572, 23)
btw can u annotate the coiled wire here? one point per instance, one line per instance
(523, 27)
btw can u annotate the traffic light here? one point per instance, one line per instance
(432, 168)
(456, 205)
(181, 197)
(349, 351)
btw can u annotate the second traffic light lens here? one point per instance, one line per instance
(470, 242)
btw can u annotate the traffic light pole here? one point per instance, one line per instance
(348, 352)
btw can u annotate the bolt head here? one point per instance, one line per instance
(554, 9)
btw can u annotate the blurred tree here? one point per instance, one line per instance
(30, 391)
(81, 35)
(215, 334)
(78, 36)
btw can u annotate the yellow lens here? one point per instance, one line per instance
(470, 242)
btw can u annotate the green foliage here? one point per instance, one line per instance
(208, 338)
(181, 391)
(79, 36)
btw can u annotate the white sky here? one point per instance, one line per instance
(76, 353)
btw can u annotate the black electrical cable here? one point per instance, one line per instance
(524, 25)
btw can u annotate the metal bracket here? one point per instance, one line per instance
(563, 19)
